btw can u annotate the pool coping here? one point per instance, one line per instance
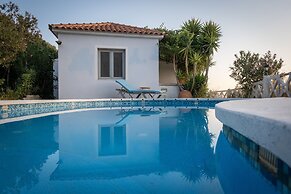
(265, 121)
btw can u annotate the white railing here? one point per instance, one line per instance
(230, 93)
(273, 86)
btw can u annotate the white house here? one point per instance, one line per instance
(92, 56)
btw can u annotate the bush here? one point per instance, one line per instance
(9, 95)
(27, 83)
(2, 81)
(182, 77)
(200, 86)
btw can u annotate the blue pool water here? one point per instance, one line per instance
(152, 150)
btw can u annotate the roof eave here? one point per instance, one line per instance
(56, 31)
(52, 30)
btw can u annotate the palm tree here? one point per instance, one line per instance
(209, 41)
(194, 26)
(186, 39)
(196, 59)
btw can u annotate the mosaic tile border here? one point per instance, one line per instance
(24, 109)
(272, 167)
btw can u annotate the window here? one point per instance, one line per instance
(111, 63)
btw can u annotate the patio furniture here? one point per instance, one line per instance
(128, 89)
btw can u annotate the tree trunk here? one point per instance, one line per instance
(206, 73)
(194, 74)
(207, 69)
(186, 66)
(7, 77)
(174, 63)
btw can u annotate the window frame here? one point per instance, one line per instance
(111, 62)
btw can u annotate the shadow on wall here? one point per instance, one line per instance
(82, 62)
(167, 74)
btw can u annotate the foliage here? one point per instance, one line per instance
(186, 39)
(249, 68)
(199, 86)
(27, 85)
(22, 50)
(9, 95)
(209, 38)
(181, 75)
(169, 48)
(2, 81)
(39, 57)
(191, 48)
(11, 42)
(16, 31)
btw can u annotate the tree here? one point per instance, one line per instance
(191, 49)
(203, 44)
(186, 39)
(196, 60)
(249, 68)
(209, 41)
(169, 47)
(26, 60)
(39, 56)
(11, 43)
(16, 31)
(194, 26)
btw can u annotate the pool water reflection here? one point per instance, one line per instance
(125, 151)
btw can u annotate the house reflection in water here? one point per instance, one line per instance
(106, 144)
(135, 150)
(122, 143)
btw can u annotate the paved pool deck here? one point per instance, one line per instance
(265, 121)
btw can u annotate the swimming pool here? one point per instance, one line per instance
(150, 149)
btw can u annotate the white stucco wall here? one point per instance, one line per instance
(78, 68)
(168, 79)
(56, 75)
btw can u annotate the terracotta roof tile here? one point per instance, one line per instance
(106, 27)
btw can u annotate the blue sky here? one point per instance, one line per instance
(254, 25)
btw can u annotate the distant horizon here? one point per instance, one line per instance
(245, 25)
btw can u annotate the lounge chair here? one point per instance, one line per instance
(128, 89)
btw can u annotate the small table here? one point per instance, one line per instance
(145, 88)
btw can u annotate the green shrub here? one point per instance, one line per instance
(27, 83)
(200, 86)
(2, 81)
(10, 95)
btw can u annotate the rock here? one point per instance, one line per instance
(32, 97)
